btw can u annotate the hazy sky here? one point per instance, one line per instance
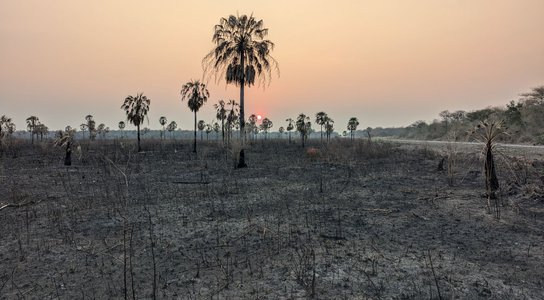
(387, 62)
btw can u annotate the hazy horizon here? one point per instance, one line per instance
(389, 62)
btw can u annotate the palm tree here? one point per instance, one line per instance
(101, 130)
(162, 121)
(241, 54)
(352, 125)
(290, 127)
(252, 120)
(303, 126)
(281, 131)
(221, 114)
(329, 128)
(201, 126)
(32, 123)
(136, 108)
(232, 116)
(65, 139)
(196, 95)
(121, 127)
(216, 129)
(266, 124)
(209, 128)
(172, 127)
(320, 119)
(7, 127)
(91, 126)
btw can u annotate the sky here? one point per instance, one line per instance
(386, 62)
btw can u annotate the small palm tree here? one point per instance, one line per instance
(352, 125)
(266, 124)
(162, 121)
(281, 130)
(221, 114)
(136, 108)
(121, 127)
(320, 119)
(216, 129)
(304, 126)
(209, 128)
(91, 126)
(172, 127)
(232, 117)
(329, 128)
(196, 95)
(290, 127)
(252, 124)
(201, 126)
(65, 139)
(7, 127)
(32, 123)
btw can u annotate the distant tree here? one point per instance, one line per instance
(252, 124)
(304, 127)
(201, 126)
(368, 133)
(90, 126)
(32, 123)
(281, 130)
(329, 127)
(266, 124)
(352, 126)
(480, 115)
(221, 115)
(241, 54)
(101, 130)
(535, 96)
(7, 127)
(136, 108)
(320, 119)
(232, 117)
(196, 95)
(290, 127)
(163, 121)
(216, 129)
(446, 117)
(172, 127)
(209, 128)
(121, 126)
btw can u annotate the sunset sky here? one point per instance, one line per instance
(387, 62)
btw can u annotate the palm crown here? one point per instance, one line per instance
(136, 108)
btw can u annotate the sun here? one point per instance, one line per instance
(259, 117)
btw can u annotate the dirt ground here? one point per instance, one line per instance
(351, 220)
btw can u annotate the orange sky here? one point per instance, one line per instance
(387, 62)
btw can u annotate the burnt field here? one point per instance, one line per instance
(348, 220)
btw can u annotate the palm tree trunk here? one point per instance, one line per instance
(321, 133)
(138, 128)
(194, 144)
(242, 159)
(223, 129)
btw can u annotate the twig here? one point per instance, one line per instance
(434, 275)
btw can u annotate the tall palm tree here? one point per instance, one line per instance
(352, 125)
(136, 108)
(32, 123)
(196, 94)
(221, 114)
(303, 126)
(241, 54)
(162, 121)
(320, 119)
